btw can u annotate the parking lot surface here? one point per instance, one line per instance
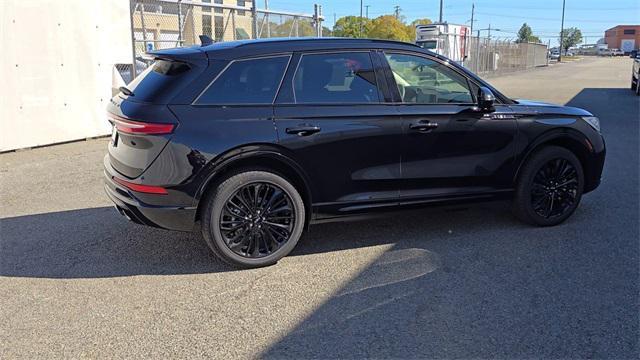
(78, 280)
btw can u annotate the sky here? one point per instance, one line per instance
(592, 17)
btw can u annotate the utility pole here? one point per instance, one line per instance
(360, 18)
(440, 21)
(561, 33)
(489, 34)
(367, 11)
(396, 11)
(473, 10)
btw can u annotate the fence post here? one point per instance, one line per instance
(254, 14)
(316, 20)
(179, 22)
(132, 9)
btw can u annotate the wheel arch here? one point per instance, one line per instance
(569, 139)
(265, 156)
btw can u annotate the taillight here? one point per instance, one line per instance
(149, 189)
(140, 128)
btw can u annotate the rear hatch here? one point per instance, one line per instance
(142, 122)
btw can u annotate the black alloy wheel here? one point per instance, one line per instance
(549, 187)
(554, 189)
(257, 220)
(253, 218)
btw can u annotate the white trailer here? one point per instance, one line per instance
(445, 39)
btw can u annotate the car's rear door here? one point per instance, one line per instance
(449, 147)
(331, 114)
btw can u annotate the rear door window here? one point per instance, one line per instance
(346, 77)
(247, 81)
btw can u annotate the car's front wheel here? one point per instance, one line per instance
(253, 218)
(549, 187)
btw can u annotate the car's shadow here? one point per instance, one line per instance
(97, 242)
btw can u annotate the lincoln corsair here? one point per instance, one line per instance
(255, 140)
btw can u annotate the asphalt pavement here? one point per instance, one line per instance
(78, 280)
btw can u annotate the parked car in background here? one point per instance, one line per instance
(635, 74)
(554, 55)
(604, 52)
(257, 139)
(617, 52)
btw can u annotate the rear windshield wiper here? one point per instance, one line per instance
(125, 91)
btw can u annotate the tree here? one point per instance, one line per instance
(389, 27)
(570, 37)
(349, 26)
(525, 33)
(424, 21)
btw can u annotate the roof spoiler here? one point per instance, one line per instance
(184, 54)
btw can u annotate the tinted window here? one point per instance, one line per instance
(424, 81)
(335, 78)
(253, 81)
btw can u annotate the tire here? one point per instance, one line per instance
(633, 84)
(551, 176)
(637, 87)
(259, 240)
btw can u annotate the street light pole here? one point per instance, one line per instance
(561, 33)
(441, 1)
(361, 18)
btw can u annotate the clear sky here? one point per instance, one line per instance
(592, 17)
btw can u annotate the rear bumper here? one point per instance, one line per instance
(130, 206)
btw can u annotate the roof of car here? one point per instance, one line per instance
(299, 44)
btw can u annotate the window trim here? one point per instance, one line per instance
(436, 60)
(289, 55)
(337, 51)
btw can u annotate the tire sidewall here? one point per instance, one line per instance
(225, 190)
(537, 161)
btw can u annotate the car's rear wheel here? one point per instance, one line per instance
(549, 187)
(633, 84)
(253, 218)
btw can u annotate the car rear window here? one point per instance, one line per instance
(246, 81)
(159, 81)
(345, 77)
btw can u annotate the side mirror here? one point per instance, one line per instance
(486, 99)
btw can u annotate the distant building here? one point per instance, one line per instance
(624, 37)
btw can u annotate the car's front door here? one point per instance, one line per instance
(330, 113)
(450, 147)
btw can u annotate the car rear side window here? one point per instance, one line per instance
(248, 81)
(346, 77)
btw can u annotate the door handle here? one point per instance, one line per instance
(303, 130)
(423, 126)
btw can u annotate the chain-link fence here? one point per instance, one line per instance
(487, 56)
(160, 24)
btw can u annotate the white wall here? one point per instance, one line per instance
(56, 61)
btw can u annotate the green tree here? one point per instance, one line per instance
(524, 34)
(570, 37)
(388, 27)
(349, 26)
(424, 21)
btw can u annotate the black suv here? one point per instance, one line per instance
(257, 139)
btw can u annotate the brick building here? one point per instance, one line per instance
(625, 37)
